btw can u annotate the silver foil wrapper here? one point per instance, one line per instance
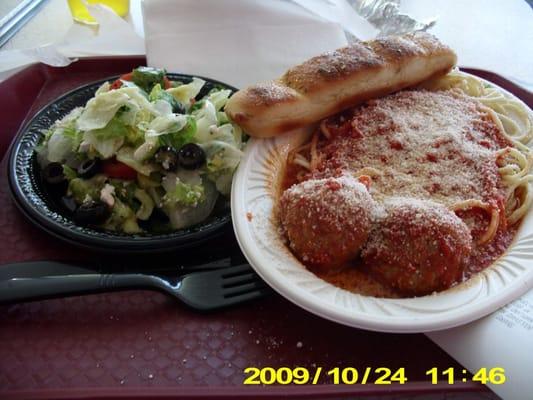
(385, 16)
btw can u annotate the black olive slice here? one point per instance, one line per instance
(89, 168)
(69, 203)
(191, 156)
(92, 213)
(53, 173)
(167, 157)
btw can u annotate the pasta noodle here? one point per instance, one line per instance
(514, 120)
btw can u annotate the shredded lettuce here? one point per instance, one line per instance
(128, 114)
(107, 140)
(105, 148)
(206, 119)
(166, 124)
(62, 143)
(62, 140)
(222, 118)
(178, 138)
(126, 156)
(147, 149)
(219, 98)
(105, 87)
(223, 155)
(115, 128)
(101, 109)
(138, 98)
(70, 118)
(158, 93)
(183, 216)
(185, 93)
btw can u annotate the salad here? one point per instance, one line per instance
(143, 154)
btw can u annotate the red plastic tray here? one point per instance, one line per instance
(145, 345)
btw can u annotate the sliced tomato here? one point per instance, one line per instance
(115, 169)
(118, 82)
(167, 83)
(127, 77)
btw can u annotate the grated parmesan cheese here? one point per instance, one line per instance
(428, 145)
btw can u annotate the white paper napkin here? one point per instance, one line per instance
(113, 37)
(239, 42)
(488, 34)
(501, 340)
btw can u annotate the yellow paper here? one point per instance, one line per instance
(81, 14)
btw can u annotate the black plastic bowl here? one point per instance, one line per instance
(33, 197)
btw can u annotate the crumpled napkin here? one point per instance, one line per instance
(241, 42)
(114, 36)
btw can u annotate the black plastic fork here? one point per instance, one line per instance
(206, 290)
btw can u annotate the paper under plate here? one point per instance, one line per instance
(253, 197)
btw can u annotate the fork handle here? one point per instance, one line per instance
(46, 287)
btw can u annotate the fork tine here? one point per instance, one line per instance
(241, 289)
(246, 297)
(235, 271)
(239, 279)
(208, 290)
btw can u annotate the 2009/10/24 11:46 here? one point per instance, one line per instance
(376, 376)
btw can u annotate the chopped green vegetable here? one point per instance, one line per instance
(181, 137)
(196, 106)
(134, 136)
(147, 77)
(69, 172)
(86, 189)
(114, 129)
(184, 194)
(158, 93)
(122, 219)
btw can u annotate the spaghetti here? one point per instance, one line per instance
(515, 122)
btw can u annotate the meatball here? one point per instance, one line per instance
(327, 221)
(417, 246)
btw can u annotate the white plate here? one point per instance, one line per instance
(252, 201)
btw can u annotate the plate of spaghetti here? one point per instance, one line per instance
(407, 212)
